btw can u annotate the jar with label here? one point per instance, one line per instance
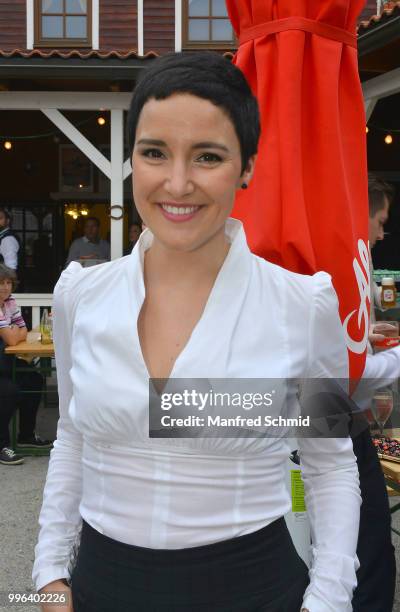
(388, 292)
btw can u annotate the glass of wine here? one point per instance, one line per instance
(382, 406)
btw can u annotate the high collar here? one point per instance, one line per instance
(223, 306)
(234, 231)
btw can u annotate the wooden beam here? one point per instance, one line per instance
(178, 26)
(67, 100)
(382, 86)
(95, 24)
(127, 168)
(117, 182)
(30, 24)
(79, 139)
(369, 107)
(140, 27)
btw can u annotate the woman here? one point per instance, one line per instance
(190, 524)
(12, 331)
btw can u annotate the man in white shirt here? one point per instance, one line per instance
(90, 246)
(377, 574)
(9, 245)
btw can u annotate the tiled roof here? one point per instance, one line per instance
(75, 53)
(386, 15)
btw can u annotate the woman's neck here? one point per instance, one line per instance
(185, 267)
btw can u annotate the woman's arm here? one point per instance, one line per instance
(330, 471)
(59, 517)
(13, 335)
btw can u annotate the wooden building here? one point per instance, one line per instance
(67, 69)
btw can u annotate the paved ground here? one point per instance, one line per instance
(21, 493)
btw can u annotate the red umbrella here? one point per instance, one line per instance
(307, 206)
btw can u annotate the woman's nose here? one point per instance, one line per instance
(179, 182)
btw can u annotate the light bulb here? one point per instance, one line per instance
(367, 129)
(388, 139)
(74, 216)
(101, 121)
(80, 186)
(84, 212)
(8, 145)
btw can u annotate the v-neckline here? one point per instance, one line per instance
(193, 333)
(136, 282)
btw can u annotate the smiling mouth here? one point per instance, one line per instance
(178, 213)
(179, 210)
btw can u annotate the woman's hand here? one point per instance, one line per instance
(58, 586)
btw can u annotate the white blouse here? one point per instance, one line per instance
(260, 321)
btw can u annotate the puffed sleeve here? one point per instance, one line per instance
(59, 517)
(329, 470)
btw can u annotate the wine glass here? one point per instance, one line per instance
(382, 407)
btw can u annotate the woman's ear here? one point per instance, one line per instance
(247, 175)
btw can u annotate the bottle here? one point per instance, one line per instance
(388, 292)
(45, 328)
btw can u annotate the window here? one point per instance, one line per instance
(206, 23)
(40, 231)
(63, 23)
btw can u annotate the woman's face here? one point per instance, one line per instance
(5, 289)
(186, 169)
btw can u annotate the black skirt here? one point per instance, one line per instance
(258, 572)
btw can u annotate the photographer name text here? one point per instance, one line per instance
(237, 421)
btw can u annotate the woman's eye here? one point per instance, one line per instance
(152, 153)
(210, 158)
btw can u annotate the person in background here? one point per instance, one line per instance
(12, 331)
(90, 246)
(380, 195)
(135, 229)
(377, 573)
(9, 245)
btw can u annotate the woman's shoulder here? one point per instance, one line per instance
(303, 283)
(76, 280)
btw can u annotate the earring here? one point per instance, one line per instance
(244, 185)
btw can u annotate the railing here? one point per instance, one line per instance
(35, 301)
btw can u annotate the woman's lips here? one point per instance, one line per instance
(179, 213)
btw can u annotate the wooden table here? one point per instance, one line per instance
(28, 350)
(391, 471)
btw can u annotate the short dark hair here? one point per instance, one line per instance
(95, 219)
(8, 273)
(207, 75)
(378, 192)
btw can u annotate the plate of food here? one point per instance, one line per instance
(387, 448)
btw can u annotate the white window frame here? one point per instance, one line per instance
(30, 24)
(178, 26)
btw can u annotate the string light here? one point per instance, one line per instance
(388, 139)
(8, 145)
(45, 134)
